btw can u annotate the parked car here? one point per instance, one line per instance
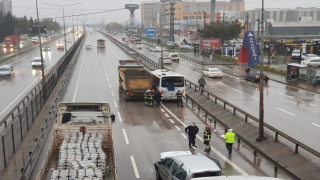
(255, 77)
(46, 48)
(184, 165)
(312, 62)
(212, 72)
(6, 71)
(36, 62)
(88, 47)
(295, 54)
(155, 49)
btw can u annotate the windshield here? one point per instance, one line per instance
(174, 55)
(100, 40)
(313, 55)
(215, 70)
(37, 60)
(172, 81)
(4, 69)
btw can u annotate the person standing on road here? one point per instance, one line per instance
(192, 131)
(146, 97)
(202, 82)
(247, 70)
(229, 139)
(293, 75)
(179, 98)
(157, 98)
(206, 138)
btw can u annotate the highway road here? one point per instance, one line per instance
(292, 110)
(141, 133)
(13, 90)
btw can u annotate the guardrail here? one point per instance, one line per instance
(23, 115)
(236, 109)
(28, 48)
(191, 59)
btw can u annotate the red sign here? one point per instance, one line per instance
(210, 43)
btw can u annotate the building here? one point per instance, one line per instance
(6, 6)
(185, 11)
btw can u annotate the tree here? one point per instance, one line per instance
(114, 26)
(226, 31)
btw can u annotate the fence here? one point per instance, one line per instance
(23, 115)
(248, 116)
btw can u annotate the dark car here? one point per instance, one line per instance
(255, 77)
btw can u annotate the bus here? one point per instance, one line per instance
(168, 83)
(101, 43)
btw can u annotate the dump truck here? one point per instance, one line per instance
(82, 146)
(134, 80)
(101, 43)
(10, 42)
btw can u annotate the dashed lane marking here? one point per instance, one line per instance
(237, 90)
(119, 115)
(166, 115)
(177, 128)
(110, 85)
(286, 111)
(115, 103)
(171, 121)
(199, 153)
(106, 74)
(135, 169)
(105, 70)
(212, 148)
(3, 81)
(77, 86)
(183, 135)
(290, 96)
(315, 124)
(300, 100)
(125, 136)
(107, 78)
(112, 93)
(312, 104)
(162, 110)
(221, 84)
(279, 93)
(255, 98)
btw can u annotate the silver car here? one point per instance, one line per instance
(6, 71)
(182, 165)
(36, 62)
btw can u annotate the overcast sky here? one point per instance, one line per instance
(28, 8)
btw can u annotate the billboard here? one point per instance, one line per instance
(210, 43)
(150, 32)
(132, 21)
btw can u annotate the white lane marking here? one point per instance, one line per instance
(113, 51)
(110, 85)
(300, 100)
(237, 90)
(177, 128)
(279, 93)
(105, 70)
(171, 121)
(199, 153)
(255, 98)
(290, 96)
(183, 135)
(286, 112)
(119, 115)
(112, 93)
(3, 81)
(198, 73)
(77, 86)
(315, 124)
(162, 110)
(312, 104)
(212, 148)
(107, 78)
(271, 90)
(115, 103)
(125, 136)
(221, 84)
(166, 115)
(106, 74)
(135, 169)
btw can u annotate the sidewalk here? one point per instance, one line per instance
(239, 70)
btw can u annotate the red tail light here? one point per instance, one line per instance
(257, 77)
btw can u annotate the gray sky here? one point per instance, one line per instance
(28, 8)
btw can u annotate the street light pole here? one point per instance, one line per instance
(197, 16)
(261, 136)
(73, 33)
(161, 59)
(40, 45)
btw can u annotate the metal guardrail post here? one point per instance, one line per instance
(296, 149)
(13, 146)
(27, 116)
(21, 133)
(234, 111)
(4, 153)
(31, 102)
(276, 137)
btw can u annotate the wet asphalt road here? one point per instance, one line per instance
(292, 110)
(13, 90)
(141, 133)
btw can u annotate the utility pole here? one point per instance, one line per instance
(261, 136)
(247, 21)
(213, 11)
(161, 18)
(197, 15)
(204, 19)
(172, 21)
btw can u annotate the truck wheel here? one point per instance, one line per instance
(158, 174)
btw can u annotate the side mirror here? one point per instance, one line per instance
(113, 118)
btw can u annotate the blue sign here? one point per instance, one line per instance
(150, 32)
(249, 43)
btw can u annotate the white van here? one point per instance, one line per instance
(35, 40)
(174, 56)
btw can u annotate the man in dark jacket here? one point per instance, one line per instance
(192, 131)
(179, 98)
(202, 82)
(157, 98)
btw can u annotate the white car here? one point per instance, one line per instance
(212, 72)
(310, 56)
(88, 47)
(312, 62)
(166, 60)
(155, 49)
(138, 46)
(36, 62)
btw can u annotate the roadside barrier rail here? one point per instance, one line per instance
(191, 59)
(225, 103)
